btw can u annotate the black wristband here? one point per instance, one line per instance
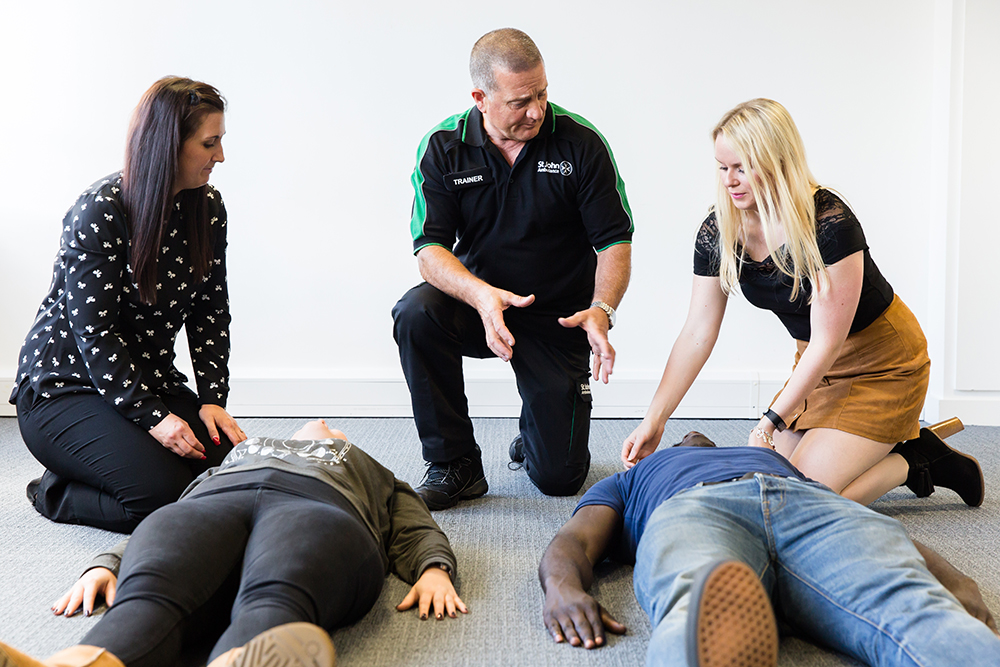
(440, 566)
(773, 417)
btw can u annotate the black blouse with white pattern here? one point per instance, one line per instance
(94, 334)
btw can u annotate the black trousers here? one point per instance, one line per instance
(104, 470)
(551, 364)
(294, 547)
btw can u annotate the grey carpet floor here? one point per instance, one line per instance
(498, 539)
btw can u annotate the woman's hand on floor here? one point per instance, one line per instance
(434, 587)
(95, 581)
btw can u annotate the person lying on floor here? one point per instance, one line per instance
(717, 535)
(303, 530)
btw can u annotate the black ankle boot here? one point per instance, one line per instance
(933, 462)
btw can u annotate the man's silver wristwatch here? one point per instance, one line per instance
(607, 309)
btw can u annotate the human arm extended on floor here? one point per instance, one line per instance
(567, 571)
(100, 578)
(963, 587)
(416, 546)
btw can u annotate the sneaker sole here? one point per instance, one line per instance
(730, 621)
(289, 645)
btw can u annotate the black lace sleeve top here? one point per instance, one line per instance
(92, 333)
(838, 234)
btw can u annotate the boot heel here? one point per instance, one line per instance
(947, 428)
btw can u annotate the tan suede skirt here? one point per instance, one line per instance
(877, 386)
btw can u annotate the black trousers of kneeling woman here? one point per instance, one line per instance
(245, 552)
(102, 469)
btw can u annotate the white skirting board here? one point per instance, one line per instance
(488, 397)
(719, 396)
(977, 408)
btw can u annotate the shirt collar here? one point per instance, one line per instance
(474, 132)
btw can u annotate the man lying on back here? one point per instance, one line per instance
(717, 535)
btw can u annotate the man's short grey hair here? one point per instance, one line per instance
(506, 49)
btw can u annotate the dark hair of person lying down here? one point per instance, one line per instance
(695, 439)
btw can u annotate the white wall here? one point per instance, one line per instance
(964, 307)
(328, 103)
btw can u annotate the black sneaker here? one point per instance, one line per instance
(516, 453)
(445, 484)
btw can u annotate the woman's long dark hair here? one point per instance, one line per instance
(167, 115)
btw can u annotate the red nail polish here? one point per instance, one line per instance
(216, 440)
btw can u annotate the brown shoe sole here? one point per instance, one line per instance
(289, 645)
(731, 623)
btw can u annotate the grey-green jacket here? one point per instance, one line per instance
(410, 539)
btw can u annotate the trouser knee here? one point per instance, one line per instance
(556, 431)
(153, 497)
(564, 482)
(281, 599)
(413, 317)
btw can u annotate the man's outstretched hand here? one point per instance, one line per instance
(595, 322)
(574, 617)
(490, 304)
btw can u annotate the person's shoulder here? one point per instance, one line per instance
(452, 127)
(359, 458)
(216, 206)
(102, 193)
(213, 194)
(604, 492)
(573, 126)
(107, 186)
(830, 203)
(710, 221)
(832, 212)
(98, 207)
(708, 231)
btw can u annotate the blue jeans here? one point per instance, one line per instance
(844, 576)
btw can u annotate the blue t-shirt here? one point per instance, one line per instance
(636, 493)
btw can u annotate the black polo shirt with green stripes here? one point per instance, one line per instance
(531, 228)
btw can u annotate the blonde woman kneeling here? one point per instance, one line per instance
(861, 372)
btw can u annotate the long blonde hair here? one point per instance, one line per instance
(762, 133)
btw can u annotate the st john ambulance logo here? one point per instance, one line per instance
(565, 167)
